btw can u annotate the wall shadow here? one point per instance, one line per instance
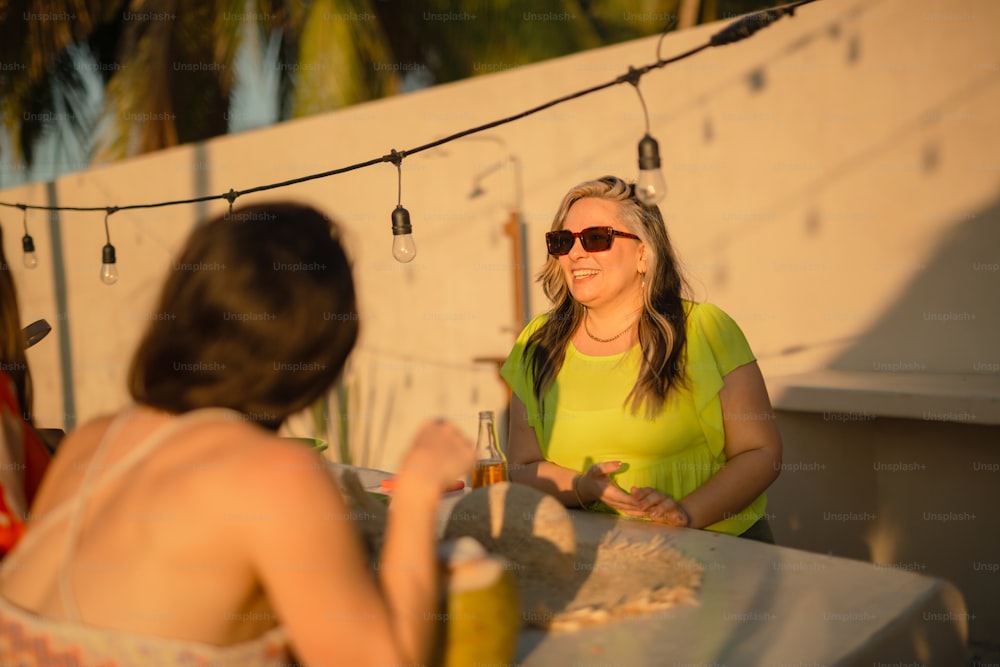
(913, 493)
(948, 316)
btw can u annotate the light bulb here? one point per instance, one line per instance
(109, 274)
(109, 268)
(30, 258)
(651, 187)
(403, 248)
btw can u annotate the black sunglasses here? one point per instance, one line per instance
(593, 239)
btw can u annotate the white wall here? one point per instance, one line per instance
(831, 180)
(833, 185)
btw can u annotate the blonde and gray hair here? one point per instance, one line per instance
(662, 323)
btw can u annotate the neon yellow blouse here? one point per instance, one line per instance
(585, 420)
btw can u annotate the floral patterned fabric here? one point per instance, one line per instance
(29, 640)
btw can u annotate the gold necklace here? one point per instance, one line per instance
(604, 340)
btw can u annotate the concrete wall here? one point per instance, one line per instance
(906, 494)
(833, 185)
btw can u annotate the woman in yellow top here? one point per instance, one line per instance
(629, 396)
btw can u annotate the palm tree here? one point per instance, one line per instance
(167, 66)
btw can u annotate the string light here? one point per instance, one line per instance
(403, 248)
(651, 187)
(109, 266)
(30, 258)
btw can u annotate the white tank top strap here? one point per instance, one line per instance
(91, 483)
(40, 524)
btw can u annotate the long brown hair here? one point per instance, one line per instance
(662, 334)
(257, 314)
(13, 361)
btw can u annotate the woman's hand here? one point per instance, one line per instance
(596, 484)
(440, 454)
(660, 507)
(642, 503)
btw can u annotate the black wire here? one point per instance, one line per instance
(642, 101)
(107, 213)
(751, 23)
(734, 32)
(659, 43)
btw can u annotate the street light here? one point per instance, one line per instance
(514, 227)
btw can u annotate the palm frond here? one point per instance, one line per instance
(139, 112)
(176, 77)
(34, 35)
(343, 58)
(456, 40)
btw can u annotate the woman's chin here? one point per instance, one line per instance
(584, 292)
(584, 297)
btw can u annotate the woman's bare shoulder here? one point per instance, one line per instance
(77, 447)
(249, 461)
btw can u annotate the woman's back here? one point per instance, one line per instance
(140, 528)
(206, 534)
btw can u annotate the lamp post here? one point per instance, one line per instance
(514, 228)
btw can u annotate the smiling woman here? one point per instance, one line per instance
(627, 395)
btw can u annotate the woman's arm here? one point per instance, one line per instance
(311, 562)
(408, 568)
(753, 450)
(526, 465)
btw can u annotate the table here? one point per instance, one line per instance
(762, 605)
(769, 606)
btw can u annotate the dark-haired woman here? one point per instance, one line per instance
(626, 395)
(182, 531)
